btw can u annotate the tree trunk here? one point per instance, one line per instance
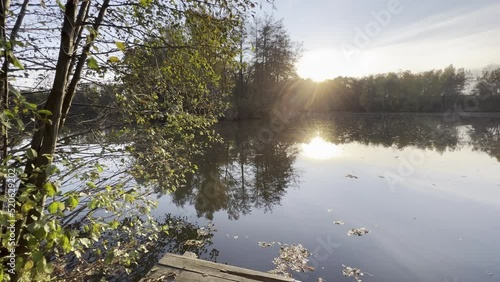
(4, 87)
(68, 99)
(44, 140)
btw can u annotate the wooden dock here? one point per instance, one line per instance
(188, 268)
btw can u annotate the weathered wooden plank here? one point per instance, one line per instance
(183, 268)
(215, 269)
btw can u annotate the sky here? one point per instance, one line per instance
(362, 37)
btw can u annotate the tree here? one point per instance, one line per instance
(271, 63)
(93, 35)
(488, 84)
(452, 85)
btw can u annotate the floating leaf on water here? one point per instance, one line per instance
(352, 272)
(380, 176)
(351, 176)
(195, 243)
(358, 232)
(339, 222)
(203, 231)
(266, 245)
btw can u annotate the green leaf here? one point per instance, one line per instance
(27, 207)
(52, 208)
(45, 112)
(145, 3)
(39, 231)
(65, 244)
(85, 242)
(8, 114)
(92, 63)
(72, 202)
(61, 5)
(55, 207)
(109, 257)
(15, 61)
(91, 185)
(20, 124)
(49, 189)
(31, 154)
(93, 204)
(129, 198)
(121, 45)
(114, 224)
(113, 59)
(99, 168)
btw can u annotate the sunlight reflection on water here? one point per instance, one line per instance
(319, 149)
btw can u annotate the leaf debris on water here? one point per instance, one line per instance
(352, 272)
(196, 243)
(291, 258)
(266, 245)
(351, 176)
(338, 222)
(358, 232)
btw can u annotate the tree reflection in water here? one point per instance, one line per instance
(243, 173)
(234, 176)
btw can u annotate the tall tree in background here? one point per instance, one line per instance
(270, 63)
(452, 85)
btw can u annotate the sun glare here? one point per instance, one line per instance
(319, 149)
(317, 65)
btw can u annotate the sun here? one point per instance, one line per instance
(319, 149)
(317, 65)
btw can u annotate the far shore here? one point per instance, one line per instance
(460, 114)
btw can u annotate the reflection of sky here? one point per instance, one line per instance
(435, 225)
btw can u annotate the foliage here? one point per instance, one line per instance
(71, 219)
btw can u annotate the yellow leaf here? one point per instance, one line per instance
(121, 45)
(113, 59)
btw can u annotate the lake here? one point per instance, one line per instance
(427, 187)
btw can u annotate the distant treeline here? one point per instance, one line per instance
(92, 104)
(267, 79)
(444, 90)
(430, 91)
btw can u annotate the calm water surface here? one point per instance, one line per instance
(426, 188)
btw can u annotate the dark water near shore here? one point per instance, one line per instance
(427, 189)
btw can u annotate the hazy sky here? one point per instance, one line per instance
(359, 37)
